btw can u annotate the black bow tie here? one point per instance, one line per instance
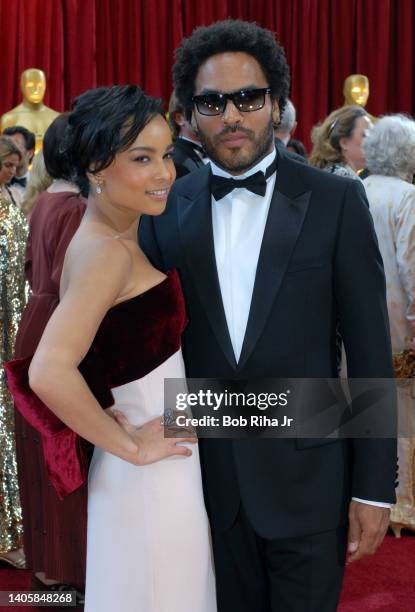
(257, 183)
(19, 181)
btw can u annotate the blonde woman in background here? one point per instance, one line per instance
(390, 158)
(338, 141)
(39, 181)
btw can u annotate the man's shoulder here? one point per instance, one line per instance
(186, 189)
(192, 182)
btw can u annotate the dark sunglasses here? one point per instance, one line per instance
(245, 100)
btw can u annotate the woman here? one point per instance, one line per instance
(38, 182)
(338, 141)
(13, 234)
(120, 320)
(390, 158)
(10, 156)
(54, 531)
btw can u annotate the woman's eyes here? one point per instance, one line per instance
(146, 158)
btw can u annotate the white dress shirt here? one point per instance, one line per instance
(238, 227)
(238, 222)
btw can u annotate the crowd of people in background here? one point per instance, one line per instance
(41, 192)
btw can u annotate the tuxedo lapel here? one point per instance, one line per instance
(195, 223)
(284, 223)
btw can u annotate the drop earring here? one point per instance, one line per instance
(98, 189)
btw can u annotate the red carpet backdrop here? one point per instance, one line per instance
(83, 43)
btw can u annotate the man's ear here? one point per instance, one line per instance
(275, 112)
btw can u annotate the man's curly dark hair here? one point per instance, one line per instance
(231, 35)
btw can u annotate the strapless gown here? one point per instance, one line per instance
(148, 543)
(148, 536)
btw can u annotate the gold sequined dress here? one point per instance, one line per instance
(13, 236)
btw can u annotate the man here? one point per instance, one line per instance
(285, 129)
(25, 140)
(266, 277)
(188, 153)
(287, 125)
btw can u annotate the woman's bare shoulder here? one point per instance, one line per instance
(99, 261)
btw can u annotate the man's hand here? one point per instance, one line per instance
(367, 527)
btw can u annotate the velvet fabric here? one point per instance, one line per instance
(134, 338)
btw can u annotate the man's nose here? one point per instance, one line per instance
(231, 114)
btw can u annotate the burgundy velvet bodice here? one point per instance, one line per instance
(134, 338)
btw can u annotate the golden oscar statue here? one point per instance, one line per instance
(31, 113)
(356, 91)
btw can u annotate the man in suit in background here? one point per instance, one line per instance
(25, 140)
(285, 129)
(188, 154)
(272, 254)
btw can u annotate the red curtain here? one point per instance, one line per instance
(84, 43)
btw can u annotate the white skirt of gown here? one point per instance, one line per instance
(148, 546)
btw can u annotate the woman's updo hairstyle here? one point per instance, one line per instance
(56, 160)
(105, 121)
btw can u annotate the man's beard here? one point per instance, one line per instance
(241, 162)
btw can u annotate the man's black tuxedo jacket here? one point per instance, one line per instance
(185, 157)
(319, 263)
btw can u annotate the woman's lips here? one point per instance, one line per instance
(160, 195)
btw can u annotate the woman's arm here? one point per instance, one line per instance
(97, 278)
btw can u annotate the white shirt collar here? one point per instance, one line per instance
(262, 165)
